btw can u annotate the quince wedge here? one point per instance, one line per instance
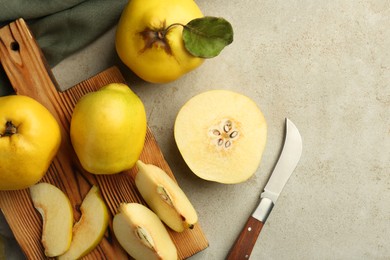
(57, 215)
(142, 234)
(90, 229)
(164, 196)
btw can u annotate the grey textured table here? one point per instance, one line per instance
(326, 66)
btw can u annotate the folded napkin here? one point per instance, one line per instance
(9, 248)
(61, 27)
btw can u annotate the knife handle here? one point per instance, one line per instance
(245, 242)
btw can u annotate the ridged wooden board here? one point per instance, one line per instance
(29, 75)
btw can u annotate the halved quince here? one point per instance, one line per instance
(90, 229)
(142, 234)
(57, 215)
(164, 196)
(221, 135)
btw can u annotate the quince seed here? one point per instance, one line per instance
(227, 126)
(233, 134)
(164, 195)
(145, 237)
(216, 132)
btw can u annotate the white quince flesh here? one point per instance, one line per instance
(57, 215)
(90, 229)
(221, 135)
(164, 196)
(142, 234)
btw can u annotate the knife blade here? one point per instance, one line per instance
(287, 162)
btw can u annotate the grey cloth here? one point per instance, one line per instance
(12, 249)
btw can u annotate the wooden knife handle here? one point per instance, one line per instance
(245, 242)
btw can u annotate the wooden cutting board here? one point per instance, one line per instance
(29, 75)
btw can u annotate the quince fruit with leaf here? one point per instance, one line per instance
(162, 40)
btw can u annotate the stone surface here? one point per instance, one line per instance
(326, 66)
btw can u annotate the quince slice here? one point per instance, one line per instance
(90, 229)
(164, 196)
(221, 135)
(142, 234)
(57, 215)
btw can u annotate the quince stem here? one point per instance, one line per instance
(164, 32)
(10, 129)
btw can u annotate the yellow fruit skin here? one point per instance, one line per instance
(108, 129)
(26, 156)
(155, 64)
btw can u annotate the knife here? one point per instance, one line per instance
(288, 160)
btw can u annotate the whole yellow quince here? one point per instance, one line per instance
(29, 139)
(149, 41)
(108, 129)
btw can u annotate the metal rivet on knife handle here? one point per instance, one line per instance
(245, 242)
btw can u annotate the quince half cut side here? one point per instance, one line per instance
(221, 135)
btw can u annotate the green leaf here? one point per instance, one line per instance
(206, 37)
